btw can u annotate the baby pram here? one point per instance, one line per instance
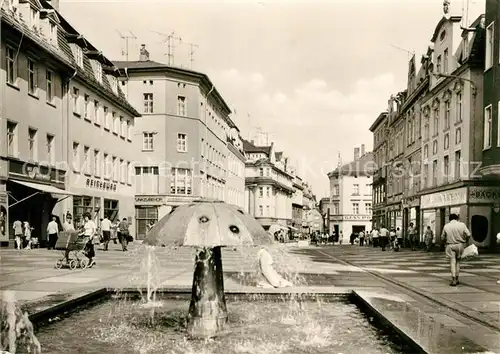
(73, 244)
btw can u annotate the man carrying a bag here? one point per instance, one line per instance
(456, 234)
(124, 234)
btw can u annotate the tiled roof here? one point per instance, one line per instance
(63, 54)
(249, 148)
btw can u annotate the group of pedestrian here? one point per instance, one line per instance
(22, 235)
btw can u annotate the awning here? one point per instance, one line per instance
(44, 188)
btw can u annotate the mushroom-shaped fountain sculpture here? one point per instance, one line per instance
(208, 225)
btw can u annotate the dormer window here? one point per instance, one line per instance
(113, 82)
(78, 54)
(34, 18)
(97, 70)
(53, 33)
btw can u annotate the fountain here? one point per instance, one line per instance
(208, 226)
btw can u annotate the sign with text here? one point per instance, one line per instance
(350, 217)
(484, 195)
(4, 220)
(95, 183)
(149, 200)
(446, 198)
(36, 172)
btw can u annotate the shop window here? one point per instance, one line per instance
(81, 205)
(479, 227)
(111, 209)
(145, 216)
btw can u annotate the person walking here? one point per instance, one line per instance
(384, 237)
(52, 232)
(18, 233)
(89, 230)
(456, 234)
(123, 233)
(412, 237)
(428, 237)
(361, 238)
(392, 239)
(106, 231)
(375, 237)
(27, 234)
(399, 239)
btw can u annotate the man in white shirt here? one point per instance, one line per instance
(375, 236)
(384, 237)
(52, 232)
(456, 234)
(106, 231)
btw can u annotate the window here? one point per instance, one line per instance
(181, 182)
(181, 106)
(123, 169)
(53, 33)
(32, 77)
(490, 45)
(434, 173)
(268, 191)
(268, 213)
(261, 172)
(458, 164)
(336, 210)
(50, 86)
(78, 54)
(426, 175)
(144, 217)
(336, 190)
(123, 124)
(97, 115)
(487, 127)
(128, 176)
(261, 192)
(446, 167)
(355, 189)
(86, 107)
(181, 142)
(76, 157)
(368, 208)
(11, 59)
(116, 124)
(426, 151)
(459, 107)
(426, 131)
(436, 122)
(107, 119)
(447, 113)
(148, 103)
(82, 205)
(446, 141)
(32, 144)
(438, 64)
(458, 136)
(97, 163)
(108, 168)
(34, 18)
(434, 147)
(97, 70)
(147, 141)
(129, 130)
(445, 61)
(76, 100)
(51, 149)
(261, 210)
(115, 174)
(86, 160)
(355, 208)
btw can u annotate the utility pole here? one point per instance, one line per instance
(126, 39)
(191, 53)
(170, 39)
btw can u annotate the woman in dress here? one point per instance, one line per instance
(89, 230)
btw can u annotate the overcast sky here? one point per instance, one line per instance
(314, 74)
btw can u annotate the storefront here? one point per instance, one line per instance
(484, 214)
(394, 216)
(436, 208)
(34, 194)
(411, 215)
(100, 198)
(147, 212)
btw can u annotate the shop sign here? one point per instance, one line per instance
(36, 172)
(446, 198)
(4, 221)
(100, 185)
(357, 217)
(484, 194)
(153, 200)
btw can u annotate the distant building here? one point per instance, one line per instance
(351, 195)
(379, 187)
(187, 145)
(268, 186)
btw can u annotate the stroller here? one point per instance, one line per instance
(74, 246)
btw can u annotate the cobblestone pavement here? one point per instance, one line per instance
(428, 274)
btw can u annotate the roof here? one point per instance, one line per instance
(364, 166)
(249, 147)
(379, 120)
(441, 23)
(145, 66)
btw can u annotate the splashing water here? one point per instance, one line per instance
(16, 330)
(152, 269)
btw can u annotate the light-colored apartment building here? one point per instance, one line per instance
(44, 63)
(188, 146)
(351, 195)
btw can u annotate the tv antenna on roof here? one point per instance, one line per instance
(170, 39)
(410, 53)
(126, 39)
(191, 53)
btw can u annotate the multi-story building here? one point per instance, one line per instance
(452, 120)
(297, 203)
(379, 187)
(491, 119)
(351, 195)
(45, 63)
(268, 186)
(189, 147)
(418, 84)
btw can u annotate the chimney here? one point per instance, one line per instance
(356, 154)
(362, 149)
(143, 53)
(54, 4)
